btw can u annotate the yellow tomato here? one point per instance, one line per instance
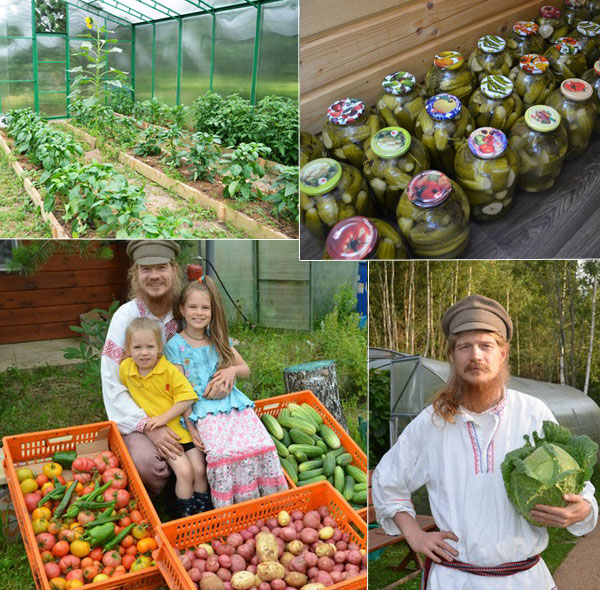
(80, 548)
(40, 525)
(52, 469)
(58, 584)
(74, 584)
(47, 486)
(100, 577)
(140, 563)
(28, 486)
(24, 473)
(42, 512)
(139, 531)
(76, 526)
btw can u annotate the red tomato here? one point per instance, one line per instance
(121, 496)
(96, 554)
(52, 570)
(125, 521)
(68, 563)
(83, 465)
(111, 558)
(45, 541)
(127, 541)
(85, 516)
(46, 556)
(108, 570)
(76, 574)
(136, 516)
(41, 479)
(100, 464)
(127, 561)
(110, 459)
(88, 488)
(90, 572)
(66, 535)
(119, 479)
(83, 478)
(119, 571)
(32, 500)
(60, 549)
(131, 550)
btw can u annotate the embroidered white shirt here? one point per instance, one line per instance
(119, 405)
(460, 466)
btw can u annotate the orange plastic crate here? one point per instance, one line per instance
(273, 405)
(216, 524)
(38, 447)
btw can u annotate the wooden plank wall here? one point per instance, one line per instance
(346, 48)
(44, 305)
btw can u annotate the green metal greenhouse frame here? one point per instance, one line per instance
(138, 13)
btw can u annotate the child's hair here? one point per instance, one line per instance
(217, 333)
(140, 325)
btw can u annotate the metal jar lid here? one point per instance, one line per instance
(542, 118)
(345, 111)
(487, 143)
(391, 142)
(576, 89)
(550, 12)
(532, 63)
(320, 176)
(354, 238)
(525, 28)
(597, 67)
(568, 45)
(588, 28)
(491, 44)
(497, 86)
(399, 83)
(449, 60)
(429, 189)
(443, 107)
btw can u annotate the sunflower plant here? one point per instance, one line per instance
(90, 82)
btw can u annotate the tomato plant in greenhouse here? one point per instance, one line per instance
(242, 166)
(285, 200)
(147, 143)
(202, 155)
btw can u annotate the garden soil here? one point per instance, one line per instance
(581, 568)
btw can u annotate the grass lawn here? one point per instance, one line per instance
(58, 397)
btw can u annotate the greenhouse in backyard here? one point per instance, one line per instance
(198, 96)
(414, 379)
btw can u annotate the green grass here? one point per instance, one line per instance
(19, 216)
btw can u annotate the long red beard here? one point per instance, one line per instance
(478, 397)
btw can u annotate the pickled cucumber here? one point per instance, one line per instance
(311, 148)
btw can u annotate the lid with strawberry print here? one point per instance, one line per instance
(487, 143)
(354, 238)
(429, 188)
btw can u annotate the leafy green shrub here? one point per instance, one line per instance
(278, 127)
(172, 136)
(121, 99)
(285, 200)
(202, 155)
(379, 415)
(242, 167)
(153, 111)
(148, 143)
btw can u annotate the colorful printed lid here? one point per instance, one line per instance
(442, 107)
(550, 12)
(399, 83)
(352, 239)
(391, 142)
(429, 188)
(568, 45)
(597, 68)
(345, 111)
(575, 3)
(320, 176)
(487, 143)
(532, 63)
(542, 118)
(576, 89)
(449, 60)
(497, 86)
(588, 28)
(525, 28)
(491, 44)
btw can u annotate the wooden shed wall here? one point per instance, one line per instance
(44, 305)
(346, 48)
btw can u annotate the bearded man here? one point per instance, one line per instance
(455, 448)
(155, 281)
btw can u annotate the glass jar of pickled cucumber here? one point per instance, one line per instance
(532, 79)
(362, 238)
(329, 192)
(391, 160)
(540, 141)
(433, 216)
(401, 100)
(348, 130)
(494, 104)
(442, 127)
(450, 74)
(311, 148)
(551, 23)
(490, 57)
(574, 11)
(486, 168)
(578, 108)
(592, 76)
(524, 38)
(566, 59)
(587, 33)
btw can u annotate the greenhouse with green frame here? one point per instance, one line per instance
(204, 92)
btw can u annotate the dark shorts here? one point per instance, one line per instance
(187, 446)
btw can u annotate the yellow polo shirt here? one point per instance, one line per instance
(156, 393)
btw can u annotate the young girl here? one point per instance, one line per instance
(164, 394)
(241, 460)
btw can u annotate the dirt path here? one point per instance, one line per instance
(581, 568)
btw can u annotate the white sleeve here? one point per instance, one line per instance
(401, 471)
(119, 405)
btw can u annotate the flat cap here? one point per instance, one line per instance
(152, 251)
(477, 312)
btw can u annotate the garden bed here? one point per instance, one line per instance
(206, 194)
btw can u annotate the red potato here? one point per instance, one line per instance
(235, 539)
(353, 546)
(309, 535)
(339, 556)
(278, 584)
(212, 563)
(199, 564)
(350, 567)
(289, 533)
(195, 574)
(312, 519)
(336, 576)
(311, 558)
(225, 549)
(346, 537)
(328, 521)
(325, 563)
(260, 523)
(201, 553)
(185, 560)
(224, 574)
(324, 578)
(246, 551)
(298, 564)
(216, 544)
(276, 531)
(271, 522)
(297, 515)
(246, 534)
(251, 543)
(191, 554)
(338, 567)
(208, 574)
(341, 545)
(312, 572)
(251, 568)
(354, 556)
(254, 530)
(254, 560)
(227, 585)
(264, 586)
(298, 525)
(238, 563)
(350, 574)
(280, 546)
(323, 511)
(225, 560)
(265, 529)
(337, 535)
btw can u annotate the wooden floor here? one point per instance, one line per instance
(563, 222)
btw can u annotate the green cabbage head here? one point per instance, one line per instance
(541, 473)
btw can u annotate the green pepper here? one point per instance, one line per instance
(114, 542)
(64, 458)
(101, 534)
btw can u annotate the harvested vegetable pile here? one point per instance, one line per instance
(542, 472)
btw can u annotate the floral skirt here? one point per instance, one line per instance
(241, 459)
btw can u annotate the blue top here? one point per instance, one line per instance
(199, 365)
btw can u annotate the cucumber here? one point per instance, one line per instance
(322, 446)
(290, 469)
(300, 437)
(338, 479)
(344, 459)
(299, 412)
(286, 440)
(308, 450)
(359, 487)
(348, 488)
(300, 456)
(329, 464)
(310, 410)
(310, 474)
(283, 413)
(282, 450)
(357, 474)
(308, 465)
(295, 422)
(359, 497)
(273, 427)
(330, 437)
(313, 480)
(338, 452)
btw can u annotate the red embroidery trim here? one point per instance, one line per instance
(474, 445)
(142, 310)
(262, 481)
(227, 461)
(139, 427)
(170, 329)
(113, 351)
